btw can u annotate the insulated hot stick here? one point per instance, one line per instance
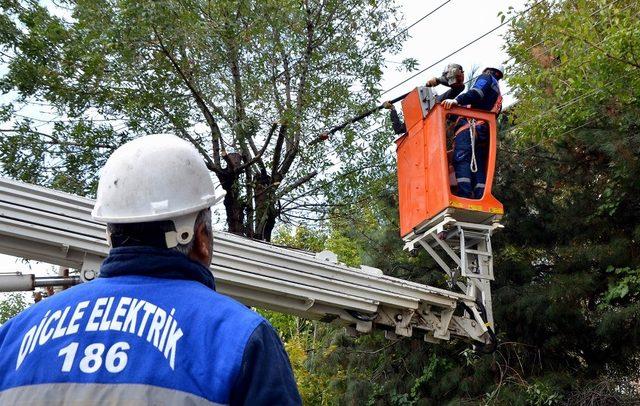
(325, 135)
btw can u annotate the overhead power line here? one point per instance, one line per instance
(608, 5)
(462, 47)
(561, 107)
(419, 20)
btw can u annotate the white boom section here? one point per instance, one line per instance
(46, 225)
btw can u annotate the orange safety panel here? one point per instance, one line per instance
(423, 169)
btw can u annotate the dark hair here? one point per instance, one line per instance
(152, 233)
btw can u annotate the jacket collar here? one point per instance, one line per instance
(155, 262)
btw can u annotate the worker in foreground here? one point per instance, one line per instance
(452, 77)
(151, 329)
(471, 143)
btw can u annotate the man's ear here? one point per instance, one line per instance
(201, 251)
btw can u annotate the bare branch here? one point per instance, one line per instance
(278, 150)
(299, 182)
(258, 156)
(213, 125)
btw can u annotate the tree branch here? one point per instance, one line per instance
(53, 140)
(258, 156)
(278, 150)
(301, 181)
(213, 125)
(293, 148)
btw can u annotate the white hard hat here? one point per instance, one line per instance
(152, 178)
(497, 68)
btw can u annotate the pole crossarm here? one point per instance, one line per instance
(41, 224)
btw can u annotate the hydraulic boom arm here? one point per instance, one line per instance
(46, 225)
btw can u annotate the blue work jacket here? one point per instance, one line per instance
(150, 330)
(483, 95)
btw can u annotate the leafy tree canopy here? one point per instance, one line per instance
(249, 83)
(568, 261)
(10, 305)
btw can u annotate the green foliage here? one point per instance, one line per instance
(625, 280)
(432, 371)
(301, 238)
(566, 294)
(10, 305)
(539, 394)
(250, 83)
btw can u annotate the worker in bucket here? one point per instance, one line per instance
(471, 143)
(452, 77)
(151, 329)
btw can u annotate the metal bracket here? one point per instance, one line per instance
(442, 328)
(437, 324)
(90, 267)
(403, 323)
(364, 326)
(427, 99)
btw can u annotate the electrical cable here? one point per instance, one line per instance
(361, 316)
(528, 60)
(325, 135)
(462, 47)
(419, 20)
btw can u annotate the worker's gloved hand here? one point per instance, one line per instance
(432, 82)
(388, 105)
(447, 104)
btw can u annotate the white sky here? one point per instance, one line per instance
(449, 28)
(452, 26)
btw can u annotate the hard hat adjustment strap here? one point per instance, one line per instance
(185, 230)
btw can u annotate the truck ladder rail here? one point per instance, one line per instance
(46, 225)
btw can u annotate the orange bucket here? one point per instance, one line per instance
(424, 185)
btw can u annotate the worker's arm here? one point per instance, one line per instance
(437, 81)
(398, 126)
(450, 94)
(265, 376)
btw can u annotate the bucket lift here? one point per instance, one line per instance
(455, 231)
(55, 227)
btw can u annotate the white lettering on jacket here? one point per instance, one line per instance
(127, 315)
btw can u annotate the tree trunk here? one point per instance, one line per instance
(232, 204)
(265, 207)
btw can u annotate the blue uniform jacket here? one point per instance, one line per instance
(483, 94)
(152, 331)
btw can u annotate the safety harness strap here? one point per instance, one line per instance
(473, 165)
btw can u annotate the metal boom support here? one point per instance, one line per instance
(46, 225)
(463, 251)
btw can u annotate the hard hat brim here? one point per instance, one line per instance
(208, 202)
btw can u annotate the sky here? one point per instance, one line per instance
(452, 26)
(449, 28)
